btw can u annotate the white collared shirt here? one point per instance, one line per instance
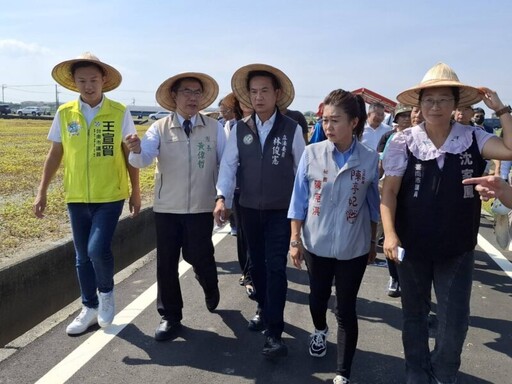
(371, 136)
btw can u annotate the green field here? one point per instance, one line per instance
(23, 150)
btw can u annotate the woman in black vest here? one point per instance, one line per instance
(427, 210)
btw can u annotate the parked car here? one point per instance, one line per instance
(34, 111)
(159, 115)
(5, 109)
(492, 124)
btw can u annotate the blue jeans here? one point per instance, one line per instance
(93, 226)
(268, 239)
(452, 279)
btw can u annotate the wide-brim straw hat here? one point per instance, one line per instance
(239, 84)
(441, 75)
(210, 90)
(63, 76)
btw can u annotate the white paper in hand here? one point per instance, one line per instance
(401, 253)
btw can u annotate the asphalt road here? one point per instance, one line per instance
(218, 348)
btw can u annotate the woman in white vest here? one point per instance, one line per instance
(334, 210)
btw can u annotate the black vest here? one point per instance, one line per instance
(436, 215)
(266, 177)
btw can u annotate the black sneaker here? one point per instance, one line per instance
(274, 347)
(256, 324)
(318, 343)
(393, 288)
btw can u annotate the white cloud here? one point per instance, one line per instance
(17, 48)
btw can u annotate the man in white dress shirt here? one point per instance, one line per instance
(374, 128)
(265, 148)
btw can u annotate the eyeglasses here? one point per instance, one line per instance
(442, 103)
(224, 111)
(189, 93)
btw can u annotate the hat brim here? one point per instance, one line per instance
(61, 73)
(210, 90)
(468, 95)
(239, 84)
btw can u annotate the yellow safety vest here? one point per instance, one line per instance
(94, 165)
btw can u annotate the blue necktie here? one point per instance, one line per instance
(187, 124)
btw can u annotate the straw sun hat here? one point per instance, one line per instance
(62, 73)
(441, 75)
(210, 90)
(239, 84)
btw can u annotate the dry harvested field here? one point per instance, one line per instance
(23, 148)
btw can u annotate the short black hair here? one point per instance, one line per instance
(479, 110)
(253, 74)
(85, 64)
(177, 84)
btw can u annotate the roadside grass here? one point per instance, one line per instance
(23, 149)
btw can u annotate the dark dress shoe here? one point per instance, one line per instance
(256, 324)
(274, 347)
(166, 329)
(212, 299)
(251, 292)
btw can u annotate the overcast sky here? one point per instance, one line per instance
(385, 46)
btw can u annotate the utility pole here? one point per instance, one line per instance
(3, 87)
(56, 98)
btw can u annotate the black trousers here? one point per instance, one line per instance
(347, 276)
(268, 238)
(241, 241)
(191, 235)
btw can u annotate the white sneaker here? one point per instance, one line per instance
(86, 318)
(106, 308)
(340, 380)
(318, 343)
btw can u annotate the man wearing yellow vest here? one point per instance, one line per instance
(188, 147)
(87, 136)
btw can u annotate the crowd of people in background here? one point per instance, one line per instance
(326, 196)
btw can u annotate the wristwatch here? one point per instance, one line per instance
(295, 243)
(220, 197)
(502, 111)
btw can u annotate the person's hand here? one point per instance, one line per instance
(297, 256)
(220, 213)
(132, 141)
(488, 186)
(391, 243)
(135, 203)
(491, 99)
(39, 205)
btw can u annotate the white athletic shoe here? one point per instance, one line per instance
(340, 380)
(86, 318)
(106, 308)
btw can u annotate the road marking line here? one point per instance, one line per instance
(496, 255)
(64, 370)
